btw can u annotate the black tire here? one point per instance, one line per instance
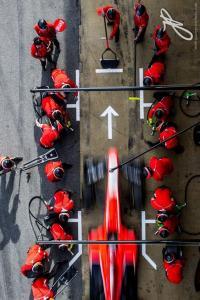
(129, 284)
(131, 196)
(185, 107)
(138, 185)
(96, 284)
(88, 196)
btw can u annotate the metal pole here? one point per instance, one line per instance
(193, 242)
(154, 147)
(177, 87)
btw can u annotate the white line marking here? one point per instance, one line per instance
(80, 247)
(103, 38)
(102, 71)
(110, 112)
(77, 104)
(142, 103)
(144, 251)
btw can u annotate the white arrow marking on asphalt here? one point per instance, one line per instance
(110, 112)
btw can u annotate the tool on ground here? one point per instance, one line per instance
(43, 158)
(108, 63)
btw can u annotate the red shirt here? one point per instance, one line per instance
(166, 133)
(50, 135)
(162, 45)
(49, 106)
(35, 254)
(165, 105)
(49, 32)
(174, 270)
(62, 202)
(49, 170)
(41, 290)
(155, 72)
(60, 78)
(171, 224)
(42, 50)
(160, 167)
(163, 200)
(58, 233)
(140, 21)
(116, 20)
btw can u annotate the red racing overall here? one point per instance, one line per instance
(140, 21)
(49, 106)
(50, 168)
(60, 79)
(62, 202)
(160, 167)
(170, 224)
(41, 290)
(167, 133)
(163, 200)
(48, 32)
(164, 105)
(155, 72)
(174, 270)
(50, 135)
(58, 233)
(42, 50)
(114, 21)
(161, 44)
(35, 254)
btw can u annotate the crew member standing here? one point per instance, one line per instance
(140, 19)
(163, 200)
(154, 74)
(8, 164)
(158, 168)
(50, 133)
(54, 170)
(167, 130)
(42, 49)
(36, 262)
(62, 205)
(162, 41)
(41, 290)
(62, 80)
(160, 111)
(47, 30)
(167, 224)
(113, 18)
(173, 264)
(55, 111)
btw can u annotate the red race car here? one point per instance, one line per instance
(112, 267)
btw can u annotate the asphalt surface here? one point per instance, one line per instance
(129, 131)
(19, 73)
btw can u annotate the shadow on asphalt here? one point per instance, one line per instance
(9, 228)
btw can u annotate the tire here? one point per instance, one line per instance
(137, 184)
(88, 196)
(184, 106)
(96, 284)
(129, 284)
